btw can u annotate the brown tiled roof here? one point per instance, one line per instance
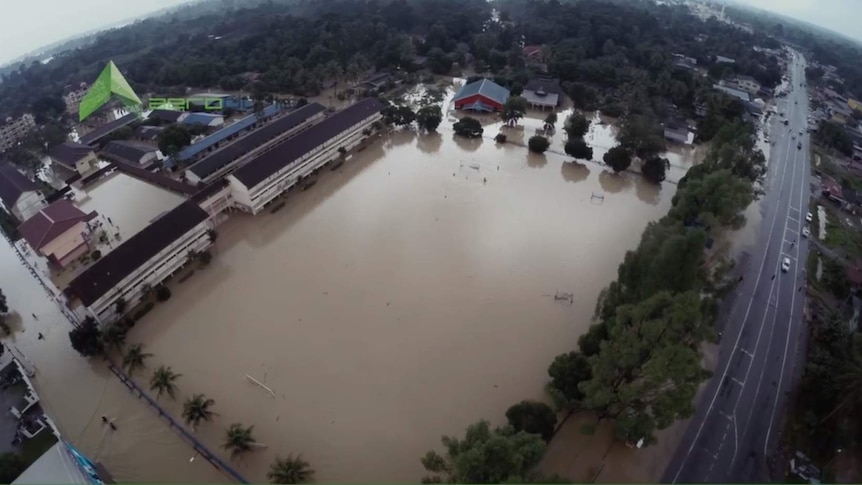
(258, 169)
(12, 184)
(106, 273)
(51, 222)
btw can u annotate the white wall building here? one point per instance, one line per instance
(14, 130)
(264, 178)
(19, 195)
(147, 258)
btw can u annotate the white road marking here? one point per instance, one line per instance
(738, 336)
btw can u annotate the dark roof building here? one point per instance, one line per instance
(134, 152)
(481, 95)
(259, 169)
(149, 133)
(223, 134)
(94, 136)
(106, 273)
(543, 92)
(278, 128)
(13, 184)
(167, 115)
(69, 154)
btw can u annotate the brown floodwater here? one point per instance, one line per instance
(406, 295)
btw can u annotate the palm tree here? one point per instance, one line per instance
(238, 440)
(114, 336)
(121, 306)
(162, 381)
(134, 358)
(290, 470)
(197, 409)
(146, 291)
(213, 234)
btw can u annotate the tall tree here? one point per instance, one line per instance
(196, 409)
(577, 125)
(87, 338)
(485, 456)
(163, 381)
(135, 358)
(533, 417)
(238, 440)
(292, 469)
(429, 117)
(618, 158)
(514, 109)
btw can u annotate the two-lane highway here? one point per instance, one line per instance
(735, 423)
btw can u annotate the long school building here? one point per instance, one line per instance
(264, 178)
(146, 259)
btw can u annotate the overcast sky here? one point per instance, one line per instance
(27, 25)
(842, 16)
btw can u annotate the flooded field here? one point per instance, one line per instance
(406, 295)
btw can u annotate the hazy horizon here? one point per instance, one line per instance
(835, 15)
(29, 26)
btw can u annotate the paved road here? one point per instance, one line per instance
(738, 418)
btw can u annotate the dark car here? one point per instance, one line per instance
(799, 146)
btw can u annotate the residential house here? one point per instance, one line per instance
(481, 95)
(733, 90)
(684, 62)
(148, 133)
(19, 195)
(676, 132)
(375, 82)
(267, 176)
(73, 98)
(748, 83)
(254, 143)
(59, 232)
(133, 152)
(203, 119)
(839, 112)
(543, 93)
(168, 115)
(14, 129)
(854, 105)
(74, 156)
(724, 60)
(144, 260)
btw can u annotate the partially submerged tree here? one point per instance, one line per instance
(567, 372)
(429, 117)
(550, 121)
(135, 358)
(533, 417)
(576, 126)
(196, 410)
(87, 338)
(538, 144)
(578, 148)
(514, 109)
(485, 456)
(400, 115)
(163, 381)
(468, 127)
(292, 469)
(238, 440)
(654, 169)
(618, 158)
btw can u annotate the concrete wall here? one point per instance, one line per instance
(28, 205)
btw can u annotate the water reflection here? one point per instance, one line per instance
(647, 191)
(400, 137)
(468, 144)
(614, 183)
(574, 171)
(536, 160)
(430, 142)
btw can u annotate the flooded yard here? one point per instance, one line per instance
(407, 295)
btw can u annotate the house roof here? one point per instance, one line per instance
(69, 153)
(107, 129)
(195, 148)
(543, 98)
(130, 151)
(100, 278)
(201, 119)
(149, 132)
(168, 115)
(532, 50)
(12, 184)
(283, 155)
(486, 88)
(241, 147)
(546, 84)
(51, 222)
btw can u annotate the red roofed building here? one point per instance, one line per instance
(59, 232)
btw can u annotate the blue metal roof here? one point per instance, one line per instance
(192, 150)
(486, 88)
(199, 119)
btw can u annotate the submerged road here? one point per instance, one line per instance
(738, 418)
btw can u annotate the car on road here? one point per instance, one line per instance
(799, 146)
(785, 122)
(805, 232)
(785, 265)
(808, 217)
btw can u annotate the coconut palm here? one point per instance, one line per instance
(121, 306)
(134, 358)
(197, 409)
(292, 469)
(238, 440)
(162, 381)
(114, 336)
